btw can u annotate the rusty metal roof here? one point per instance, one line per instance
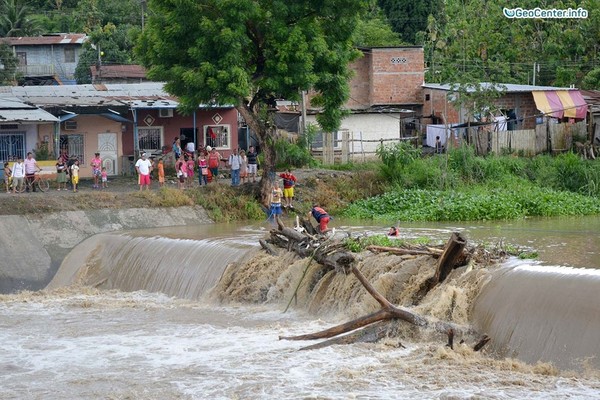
(119, 71)
(47, 40)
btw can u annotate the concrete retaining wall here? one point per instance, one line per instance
(33, 246)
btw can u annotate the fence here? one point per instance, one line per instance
(549, 137)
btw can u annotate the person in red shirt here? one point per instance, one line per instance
(289, 181)
(321, 216)
(394, 231)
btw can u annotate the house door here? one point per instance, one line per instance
(107, 146)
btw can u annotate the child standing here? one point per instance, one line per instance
(7, 177)
(289, 181)
(75, 175)
(181, 169)
(161, 172)
(61, 174)
(104, 175)
(243, 166)
(18, 175)
(202, 169)
(96, 171)
(190, 171)
(276, 195)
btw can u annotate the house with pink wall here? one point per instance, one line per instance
(119, 121)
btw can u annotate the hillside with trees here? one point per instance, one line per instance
(464, 40)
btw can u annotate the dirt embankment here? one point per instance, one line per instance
(332, 189)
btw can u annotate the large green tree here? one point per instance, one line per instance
(492, 47)
(250, 52)
(409, 17)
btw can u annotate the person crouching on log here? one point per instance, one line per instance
(321, 216)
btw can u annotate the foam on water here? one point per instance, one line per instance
(90, 344)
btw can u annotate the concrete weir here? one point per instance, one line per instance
(32, 247)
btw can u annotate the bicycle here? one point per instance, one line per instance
(38, 182)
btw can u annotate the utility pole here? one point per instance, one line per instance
(303, 112)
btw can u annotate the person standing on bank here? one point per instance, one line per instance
(31, 167)
(143, 166)
(275, 201)
(18, 175)
(75, 175)
(234, 164)
(214, 158)
(289, 181)
(96, 164)
(61, 174)
(252, 163)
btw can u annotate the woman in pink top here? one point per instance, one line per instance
(96, 169)
(202, 169)
(190, 170)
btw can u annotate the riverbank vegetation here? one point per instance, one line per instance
(458, 186)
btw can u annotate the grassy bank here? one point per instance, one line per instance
(459, 186)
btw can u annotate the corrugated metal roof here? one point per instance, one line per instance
(135, 95)
(90, 95)
(507, 87)
(13, 110)
(47, 40)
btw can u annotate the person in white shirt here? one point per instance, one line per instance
(18, 174)
(235, 163)
(143, 166)
(31, 168)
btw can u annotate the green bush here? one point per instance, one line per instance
(292, 155)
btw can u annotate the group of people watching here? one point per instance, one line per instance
(206, 162)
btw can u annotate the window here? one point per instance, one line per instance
(217, 136)
(318, 140)
(12, 146)
(150, 139)
(73, 145)
(69, 55)
(22, 56)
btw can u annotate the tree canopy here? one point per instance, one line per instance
(249, 53)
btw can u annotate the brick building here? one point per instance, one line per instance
(385, 98)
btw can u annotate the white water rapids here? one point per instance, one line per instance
(86, 343)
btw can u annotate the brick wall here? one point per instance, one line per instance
(397, 75)
(386, 76)
(435, 104)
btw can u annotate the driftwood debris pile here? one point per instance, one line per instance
(306, 243)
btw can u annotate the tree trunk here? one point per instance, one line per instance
(266, 142)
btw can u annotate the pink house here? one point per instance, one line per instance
(120, 121)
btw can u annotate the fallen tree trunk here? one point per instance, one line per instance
(402, 252)
(453, 253)
(334, 256)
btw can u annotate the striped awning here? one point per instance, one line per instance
(561, 103)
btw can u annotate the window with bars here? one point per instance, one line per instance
(73, 145)
(150, 139)
(217, 136)
(12, 146)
